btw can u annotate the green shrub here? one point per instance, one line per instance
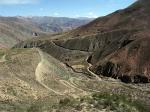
(120, 103)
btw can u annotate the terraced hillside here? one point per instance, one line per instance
(32, 80)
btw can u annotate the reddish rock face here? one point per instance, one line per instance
(120, 54)
(130, 64)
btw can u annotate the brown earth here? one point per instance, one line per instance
(63, 73)
(120, 43)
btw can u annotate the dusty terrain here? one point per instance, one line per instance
(99, 67)
(119, 43)
(32, 80)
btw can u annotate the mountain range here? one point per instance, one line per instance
(102, 66)
(16, 29)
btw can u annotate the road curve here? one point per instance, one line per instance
(92, 73)
(39, 74)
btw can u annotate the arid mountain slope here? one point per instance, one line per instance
(16, 29)
(29, 75)
(119, 43)
(13, 30)
(135, 16)
(33, 81)
(68, 74)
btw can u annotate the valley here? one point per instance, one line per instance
(19, 28)
(98, 66)
(50, 80)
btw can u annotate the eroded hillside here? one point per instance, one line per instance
(103, 66)
(32, 80)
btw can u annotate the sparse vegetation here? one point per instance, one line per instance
(98, 102)
(1, 52)
(52, 72)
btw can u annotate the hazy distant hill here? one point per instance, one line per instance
(58, 24)
(15, 29)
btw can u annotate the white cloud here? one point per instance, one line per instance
(18, 1)
(92, 15)
(56, 14)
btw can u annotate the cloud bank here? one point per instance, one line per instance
(18, 1)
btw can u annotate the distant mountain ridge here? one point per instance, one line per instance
(16, 29)
(57, 24)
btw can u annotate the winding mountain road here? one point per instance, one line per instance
(89, 65)
(3, 58)
(88, 69)
(39, 72)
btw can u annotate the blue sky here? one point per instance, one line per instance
(61, 8)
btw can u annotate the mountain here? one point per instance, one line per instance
(58, 24)
(13, 30)
(119, 42)
(33, 81)
(99, 67)
(16, 29)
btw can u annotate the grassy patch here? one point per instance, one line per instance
(2, 52)
(114, 102)
(109, 102)
(93, 103)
